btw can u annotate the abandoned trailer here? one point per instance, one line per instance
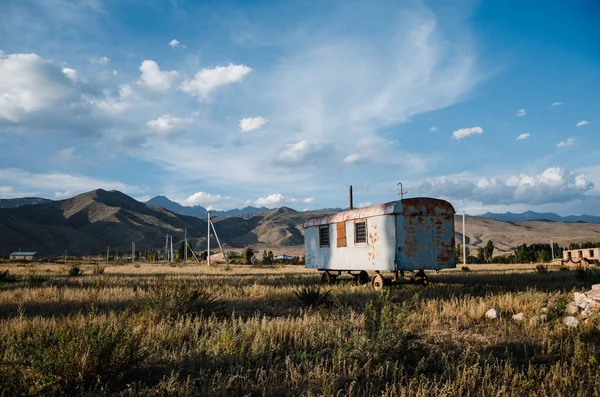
(413, 235)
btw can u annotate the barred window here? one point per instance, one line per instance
(324, 236)
(360, 232)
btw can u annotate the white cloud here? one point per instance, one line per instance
(30, 84)
(70, 73)
(556, 103)
(465, 132)
(115, 105)
(521, 112)
(433, 128)
(176, 44)
(278, 200)
(365, 204)
(581, 123)
(101, 61)
(154, 78)
(524, 135)
(554, 185)
(568, 142)
(166, 124)
(252, 123)
(72, 184)
(296, 153)
(207, 200)
(208, 80)
(354, 158)
(63, 195)
(66, 154)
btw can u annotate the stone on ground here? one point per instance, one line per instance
(493, 313)
(571, 322)
(572, 308)
(519, 316)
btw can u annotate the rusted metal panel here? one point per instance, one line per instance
(410, 234)
(341, 234)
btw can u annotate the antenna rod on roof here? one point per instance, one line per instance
(351, 203)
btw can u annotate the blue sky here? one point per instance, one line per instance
(491, 105)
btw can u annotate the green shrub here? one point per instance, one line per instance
(82, 358)
(75, 270)
(6, 277)
(98, 269)
(312, 296)
(542, 269)
(181, 299)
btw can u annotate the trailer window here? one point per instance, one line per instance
(360, 232)
(591, 253)
(324, 236)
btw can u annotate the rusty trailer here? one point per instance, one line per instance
(405, 237)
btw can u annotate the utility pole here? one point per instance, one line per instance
(171, 249)
(464, 241)
(167, 247)
(208, 239)
(552, 247)
(116, 253)
(185, 245)
(132, 251)
(107, 252)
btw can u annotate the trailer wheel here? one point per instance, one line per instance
(421, 278)
(377, 282)
(363, 277)
(327, 278)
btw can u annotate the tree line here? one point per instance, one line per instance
(538, 253)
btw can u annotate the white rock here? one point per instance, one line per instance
(519, 316)
(579, 297)
(586, 313)
(544, 310)
(572, 308)
(596, 287)
(492, 313)
(535, 320)
(571, 322)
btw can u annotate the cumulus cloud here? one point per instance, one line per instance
(354, 158)
(207, 200)
(554, 185)
(154, 78)
(31, 84)
(296, 153)
(521, 112)
(115, 104)
(66, 154)
(208, 80)
(465, 132)
(556, 103)
(581, 123)
(101, 61)
(252, 123)
(278, 199)
(176, 44)
(70, 73)
(433, 128)
(524, 135)
(72, 184)
(167, 124)
(568, 142)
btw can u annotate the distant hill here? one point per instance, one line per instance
(19, 202)
(89, 222)
(200, 211)
(544, 216)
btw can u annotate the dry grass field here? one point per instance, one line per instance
(157, 329)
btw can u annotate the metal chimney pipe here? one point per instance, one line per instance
(351, 201)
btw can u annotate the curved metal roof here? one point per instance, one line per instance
(407, 207)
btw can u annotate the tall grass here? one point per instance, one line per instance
(201, 331)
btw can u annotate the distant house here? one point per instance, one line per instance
(23, 256)
(283, 258)
(589, 254)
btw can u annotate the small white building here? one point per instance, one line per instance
(22, 256)
(412, 234)
(590, 254)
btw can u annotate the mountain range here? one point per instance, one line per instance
(90, 222)
(541, 216)
(200, 211)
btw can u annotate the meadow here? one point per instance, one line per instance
(162, 329)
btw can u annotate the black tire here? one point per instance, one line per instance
(363, 277)
(328, 278)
